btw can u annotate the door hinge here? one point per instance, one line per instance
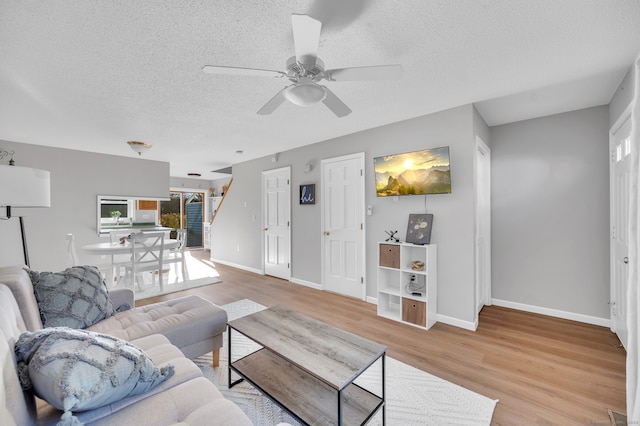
(288, 224)
(288, 265)
(361, 280)
(361, 226)
(360, 172)
(287, 181)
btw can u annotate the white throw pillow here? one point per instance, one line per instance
(78, 370)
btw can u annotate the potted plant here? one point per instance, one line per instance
(116, 215)
(171, 220)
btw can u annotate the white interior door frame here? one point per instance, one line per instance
(276, 235)
(619, 188)
(359, 274)
(482, 177)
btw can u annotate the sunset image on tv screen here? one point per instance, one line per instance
(413, 173)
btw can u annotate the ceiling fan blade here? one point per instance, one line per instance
(335, 104)
(380, 72)
(306, 36)
(254, 72)
(273, 103)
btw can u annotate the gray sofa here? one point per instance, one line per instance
(161, 330)
(191, 323)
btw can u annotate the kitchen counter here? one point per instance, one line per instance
(136, 227)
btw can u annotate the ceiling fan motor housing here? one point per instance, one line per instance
(295, 70)
(305, 70)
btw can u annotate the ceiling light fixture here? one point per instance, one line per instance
(139, 147)
(305, 94)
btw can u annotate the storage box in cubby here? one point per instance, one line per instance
(390, 255)
(414, 311)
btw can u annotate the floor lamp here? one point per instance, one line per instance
(23, 187)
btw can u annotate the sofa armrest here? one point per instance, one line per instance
(122, 299)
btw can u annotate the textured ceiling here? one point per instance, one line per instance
(91, 75)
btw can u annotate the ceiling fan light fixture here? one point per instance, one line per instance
(139, 147)
(305, 94)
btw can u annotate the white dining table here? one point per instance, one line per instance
(111, 249)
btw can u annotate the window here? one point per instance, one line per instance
(108, 206)
(129, 213)
(184, 210)
(627, 146)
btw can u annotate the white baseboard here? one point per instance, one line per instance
(306, 283)
(467, 325)
(235, 265)
(588, 319)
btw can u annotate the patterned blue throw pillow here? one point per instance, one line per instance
(79, 370)
(76, 297)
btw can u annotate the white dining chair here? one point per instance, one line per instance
(119, 261)
(177, 255)
(72, 254)
(147, 251)
(106, 269)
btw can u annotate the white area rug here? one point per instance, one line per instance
(414, 397)
(200, 272)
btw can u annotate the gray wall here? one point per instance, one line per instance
(622, 97)
(189, 184)
(237, 235)
(550, 212)
(550, 206)
(77, 178)
(480, 127)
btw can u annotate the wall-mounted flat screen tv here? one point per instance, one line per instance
(413, 173)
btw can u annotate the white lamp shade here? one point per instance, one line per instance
(305, 94)
(24, 187)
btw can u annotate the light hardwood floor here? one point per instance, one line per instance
(544, 370)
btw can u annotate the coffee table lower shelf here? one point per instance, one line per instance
(304, 396)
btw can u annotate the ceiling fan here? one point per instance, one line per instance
(305, 70)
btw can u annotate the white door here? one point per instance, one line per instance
(620, 185)
(276, 201)
(343, 225)
(483, 224)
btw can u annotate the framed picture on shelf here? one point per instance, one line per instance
(419, 228)
(308, 194)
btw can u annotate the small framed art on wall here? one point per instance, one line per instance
(308, 194)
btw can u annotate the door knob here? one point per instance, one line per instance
(265, 229)
(326, 233)
(625, 260)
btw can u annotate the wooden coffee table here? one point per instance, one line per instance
(308, 367)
